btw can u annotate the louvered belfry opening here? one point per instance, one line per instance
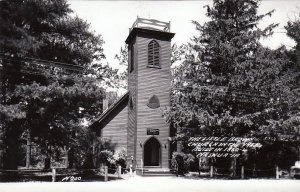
(153, 54)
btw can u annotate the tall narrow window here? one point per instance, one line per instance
(131, 58)
(153, 54)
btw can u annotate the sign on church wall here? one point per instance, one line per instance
(152, 131)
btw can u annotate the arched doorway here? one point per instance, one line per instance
(152, 152)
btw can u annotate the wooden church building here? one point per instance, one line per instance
(135, 121)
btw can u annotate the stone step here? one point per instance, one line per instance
(157, 175)
(154, 172)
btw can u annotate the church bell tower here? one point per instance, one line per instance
(149, 86)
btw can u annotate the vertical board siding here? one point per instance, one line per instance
(115, 130)
(144, 82)
(153, 81)
(131, 129)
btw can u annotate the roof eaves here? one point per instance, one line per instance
(109, 110)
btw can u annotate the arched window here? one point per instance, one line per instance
(153, 54)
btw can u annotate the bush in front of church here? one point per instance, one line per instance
(113, 159)
(106, 159)
(182, 162)
(120, 158)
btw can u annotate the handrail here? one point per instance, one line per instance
(151, 24)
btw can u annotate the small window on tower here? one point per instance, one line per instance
(153, 54)
(130, 103)
(131, 58)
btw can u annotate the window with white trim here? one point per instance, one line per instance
(153, 54)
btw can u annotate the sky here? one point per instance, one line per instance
(112, 19)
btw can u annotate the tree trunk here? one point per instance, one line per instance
(70, 159)
(28, 150)
(47, 162)
(1, 146)
(12, 144)
(11, 160)
(1, 159)
(94, 155)
(66, 157)
(233, 167)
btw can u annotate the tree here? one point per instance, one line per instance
(293, 32)
(293, 120)
(228, 83)
(216, 66)
(50, 70)
(122, 58)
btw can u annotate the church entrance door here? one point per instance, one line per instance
(152, 152)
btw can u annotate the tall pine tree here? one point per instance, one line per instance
(50, 73)
(229, 84)
(213, 88)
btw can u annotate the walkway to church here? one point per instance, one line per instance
(159, 184)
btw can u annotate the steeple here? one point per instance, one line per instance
(149, 85)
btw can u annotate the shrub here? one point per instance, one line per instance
(120, 157)
(113, 159)
(105, 156)
(183, 161)
(189, 162)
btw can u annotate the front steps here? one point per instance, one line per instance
(152, 172)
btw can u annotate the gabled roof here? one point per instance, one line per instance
(110, 113)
